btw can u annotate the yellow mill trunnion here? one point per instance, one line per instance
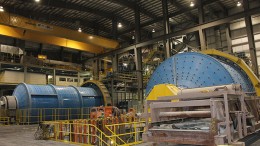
(23, 28)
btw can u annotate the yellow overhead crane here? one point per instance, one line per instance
(27, 29)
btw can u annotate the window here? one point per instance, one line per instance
(75, 80)
(62, 79)
(69, 79)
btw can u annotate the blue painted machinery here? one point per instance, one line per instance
(194, 70)
(50, 96)
(188, 86)
(26, 96)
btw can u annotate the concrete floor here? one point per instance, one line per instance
(23, 135)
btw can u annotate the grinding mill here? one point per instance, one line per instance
(207, 98)
(26, 96)
(195, 70)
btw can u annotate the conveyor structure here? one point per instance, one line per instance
(206, 98)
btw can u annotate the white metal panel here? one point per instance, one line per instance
(239, 41)
(18, 77)
(237, 25)
(241, 48)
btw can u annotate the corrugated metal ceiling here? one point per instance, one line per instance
(98, 14)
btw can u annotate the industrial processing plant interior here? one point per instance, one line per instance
(130, 72)
(187, 92)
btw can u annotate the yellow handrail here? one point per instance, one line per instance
(82, 128)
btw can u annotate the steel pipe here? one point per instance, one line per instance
(185, 114)
(232, 87)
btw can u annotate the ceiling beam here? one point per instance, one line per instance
(180, 7)
(212, 12)
(56, 17)
(214, 23)
(223, 7)
(131, 5)
(71, 6)
(157, 19)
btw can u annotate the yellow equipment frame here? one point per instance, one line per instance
(106, 96)
(28, 29)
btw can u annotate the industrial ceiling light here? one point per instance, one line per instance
(91, 37)
(2, 9)
(239, 4)
(79, 30)
(133, 37)
(37, 1)
(153, 30)
(192, 4)
(119, 25)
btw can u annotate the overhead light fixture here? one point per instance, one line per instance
(91, 37)
(2, 9)
(239, 4)
(192, 4)
(79, 30)
(133, 37)
(119, 25)
(153, 30)
(37, 1)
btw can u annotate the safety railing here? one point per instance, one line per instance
(124, 137)
(4, 120)
(38, 115)
(115, 131)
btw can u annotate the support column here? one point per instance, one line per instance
(251, 40)
(96, 29)
(115, 63)
(114, 69)
(114, 29)
(202, 37)
(95, 66)
(40, 49)
(228, 38)
(54, 76)
(78, 77)
(105, 67)
(25, 74)
(79, 57)
(21, 44)
(166, 28)
(1, 92)
(61, 53)
(138, 55)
